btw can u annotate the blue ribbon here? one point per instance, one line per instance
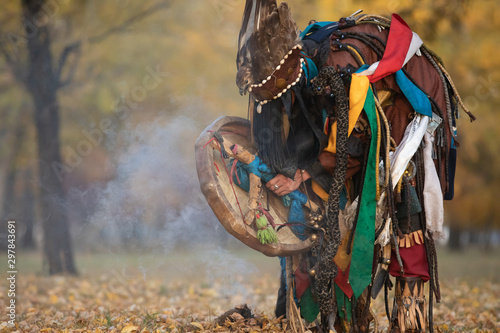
(310, 69)
(319, 31)
(418, 100)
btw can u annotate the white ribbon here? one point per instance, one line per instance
(415, 44)
(412, 138)
(433, 197)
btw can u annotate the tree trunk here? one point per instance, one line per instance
(8, 211)
(27, 209)
(43, 84)
(455, 242)
(7, 205)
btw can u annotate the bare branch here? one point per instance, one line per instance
(125, 24)
(75, 48)
(9, 44)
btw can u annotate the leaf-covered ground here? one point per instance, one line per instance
(183, 300)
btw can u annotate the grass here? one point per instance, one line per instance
(149, 319)
(471, 264)
(186, 289)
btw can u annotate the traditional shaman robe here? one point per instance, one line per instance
(401, 145)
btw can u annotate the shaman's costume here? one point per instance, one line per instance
(369, 113)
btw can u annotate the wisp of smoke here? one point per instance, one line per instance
(155, 198)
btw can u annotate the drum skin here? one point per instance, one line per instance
(226, 199)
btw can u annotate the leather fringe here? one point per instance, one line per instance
(411, 305)
(416, 237)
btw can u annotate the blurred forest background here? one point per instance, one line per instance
(100, 157)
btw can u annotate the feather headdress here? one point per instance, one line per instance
(268, 32)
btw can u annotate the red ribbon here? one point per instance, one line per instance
(398, 43)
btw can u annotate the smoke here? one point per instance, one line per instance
(154, 203)
(155, 194)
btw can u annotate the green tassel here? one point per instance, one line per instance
(261, 222)
(265, 232)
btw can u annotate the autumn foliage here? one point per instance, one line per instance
(191, 46)
(128, 304)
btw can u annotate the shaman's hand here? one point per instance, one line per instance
(282, 185)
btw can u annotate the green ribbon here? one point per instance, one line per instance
(344, 304)
(364, 235)
(309, 308)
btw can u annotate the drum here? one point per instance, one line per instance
(229, 202)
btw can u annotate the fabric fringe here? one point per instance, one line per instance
(292, 311)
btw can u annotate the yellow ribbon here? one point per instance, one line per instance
(357, 97)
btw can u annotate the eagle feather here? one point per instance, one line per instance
(267, 33)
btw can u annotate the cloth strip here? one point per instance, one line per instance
(357, 97)
(412, 138)
(402, 44)
(364, 235)
(433, 198)
(418, 100)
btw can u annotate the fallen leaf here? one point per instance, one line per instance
(130, 329)
(197, 325)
